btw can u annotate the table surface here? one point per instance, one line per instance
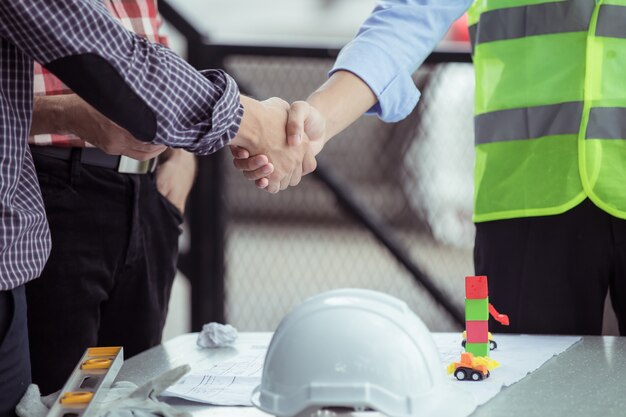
(589, 379)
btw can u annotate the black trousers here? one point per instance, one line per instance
(14, 360)
(109, 276)
(551, 274)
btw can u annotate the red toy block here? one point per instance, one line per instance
(476, 287)
(477, 331)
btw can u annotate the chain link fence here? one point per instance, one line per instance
(416, 176)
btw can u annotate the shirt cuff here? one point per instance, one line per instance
(394, 88)
(226, 113)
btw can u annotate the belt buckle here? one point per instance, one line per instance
(129, 165)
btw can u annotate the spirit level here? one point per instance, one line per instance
(89, 383)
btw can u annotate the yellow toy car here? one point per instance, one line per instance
(472, 368)
(492, 343)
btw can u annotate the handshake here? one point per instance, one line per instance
(277, 143)
(275, 146)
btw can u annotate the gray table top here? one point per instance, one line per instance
(589, 379)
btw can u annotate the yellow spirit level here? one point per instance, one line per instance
(89, 382)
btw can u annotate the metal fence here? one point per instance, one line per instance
(416, 176)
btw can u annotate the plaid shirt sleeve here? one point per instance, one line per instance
(139, 16)
(180, 107)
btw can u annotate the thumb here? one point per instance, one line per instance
(239, 152)
(296, 119)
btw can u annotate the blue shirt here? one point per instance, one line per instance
(143, 87)
(392, 43)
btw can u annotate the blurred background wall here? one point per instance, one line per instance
(414, 176)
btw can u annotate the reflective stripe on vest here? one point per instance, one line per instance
(528, 123)
(612, 21)
(550, 106)
(533, 20)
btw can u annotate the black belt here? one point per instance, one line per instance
(98, 158)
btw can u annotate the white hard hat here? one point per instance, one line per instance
(358, 349)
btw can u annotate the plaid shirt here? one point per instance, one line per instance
(139, 16)
(142, 86)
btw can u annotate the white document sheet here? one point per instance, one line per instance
(226, 383)
(230, 383)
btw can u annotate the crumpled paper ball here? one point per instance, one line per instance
(216, 335)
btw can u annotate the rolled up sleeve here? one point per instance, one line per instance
(391, 44)
(140, 85)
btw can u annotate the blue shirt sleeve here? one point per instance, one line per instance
(391, 44)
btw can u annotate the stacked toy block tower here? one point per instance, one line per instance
(477, 316)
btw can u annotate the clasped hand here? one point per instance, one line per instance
(283, 149)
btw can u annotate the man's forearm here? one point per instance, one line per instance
(49, 115)
(69, 114)
(341, 100)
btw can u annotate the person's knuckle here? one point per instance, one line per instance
(273, 187)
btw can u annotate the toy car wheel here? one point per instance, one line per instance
(476, 376)
(460, 374)
(492, 345)
(463, 343)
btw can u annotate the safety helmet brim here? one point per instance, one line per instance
(445, 400)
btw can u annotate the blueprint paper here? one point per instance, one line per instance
(228, 383)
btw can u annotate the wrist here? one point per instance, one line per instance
(251, 128)
(317, 101)
(180, 157)
(341, 100)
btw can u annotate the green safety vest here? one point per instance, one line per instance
(550, 106)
